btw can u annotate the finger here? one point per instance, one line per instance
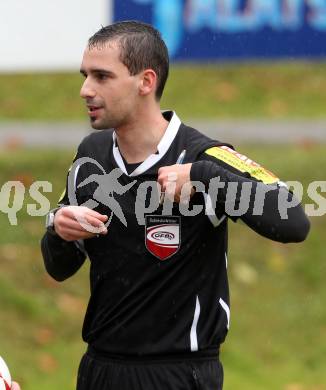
(161, 175)
(95, 221)
(85, 227)
(162, 196)
(91, 224)
(96, 215)
(73, 235)
(187, 191)
(82, 225)
(79, 210)
(89, 220)
(15, 386)
(160, 180)
(170, 195)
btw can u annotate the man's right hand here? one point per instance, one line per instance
(73, 223)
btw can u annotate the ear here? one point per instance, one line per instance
(148, 82)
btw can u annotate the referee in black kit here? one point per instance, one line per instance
(159, 306)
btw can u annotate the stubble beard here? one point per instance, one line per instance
(109, 120)
(102, 123)
(98, 125)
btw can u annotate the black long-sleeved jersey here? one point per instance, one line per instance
(159, 281)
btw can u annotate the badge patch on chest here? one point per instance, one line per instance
(162, 235)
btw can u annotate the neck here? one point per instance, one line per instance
(140, 138)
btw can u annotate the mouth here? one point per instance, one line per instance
(93, 110)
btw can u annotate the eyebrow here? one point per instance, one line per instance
(97, 70)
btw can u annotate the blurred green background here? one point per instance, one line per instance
(277, 339)
(255, 90)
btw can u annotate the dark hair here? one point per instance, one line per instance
(141, 47)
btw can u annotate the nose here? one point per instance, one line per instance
(86, 90)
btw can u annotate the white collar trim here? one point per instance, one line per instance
(162, 148)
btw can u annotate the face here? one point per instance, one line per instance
(110, 92)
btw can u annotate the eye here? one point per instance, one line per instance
(102, 76)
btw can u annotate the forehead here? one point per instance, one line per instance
(107, 54)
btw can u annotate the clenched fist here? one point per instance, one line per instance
(175, 182)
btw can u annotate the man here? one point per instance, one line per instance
(159, 305)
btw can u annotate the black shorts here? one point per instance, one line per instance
(99, 373)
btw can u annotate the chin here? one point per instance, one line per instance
(99, 125)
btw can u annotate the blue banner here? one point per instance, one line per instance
(233, 29)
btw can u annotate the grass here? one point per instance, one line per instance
(248, 90)
(277, 339)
